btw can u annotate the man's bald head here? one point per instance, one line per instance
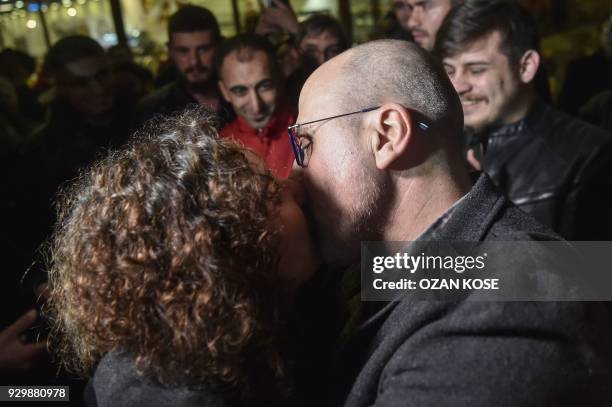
(361, 166)
(398, 71)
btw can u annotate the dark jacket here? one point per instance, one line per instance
(585, 77)
(173, 98)
(556, 168)
(117, 384)
(598, 110)
(63, 148)
(471, 353)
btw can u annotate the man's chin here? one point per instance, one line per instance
(477, 126)
(423, 41)
(259, 123)
(199, 85)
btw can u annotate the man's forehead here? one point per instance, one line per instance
(325, 36)
(424, 2)
(192, 38)
(243, 65)
(320, 92)
(482, 49)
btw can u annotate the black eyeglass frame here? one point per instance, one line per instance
(299, 153)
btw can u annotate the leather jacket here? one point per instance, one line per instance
(556, 168)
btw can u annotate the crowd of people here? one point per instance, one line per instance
(194, 239)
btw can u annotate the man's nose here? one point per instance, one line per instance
(416, 18)
(256, 102)
(461, 83)
(193, 58)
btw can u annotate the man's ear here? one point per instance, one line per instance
(224, 91)
(390, 134)
(529, 64)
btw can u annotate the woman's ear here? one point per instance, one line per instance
(390, 131)
(529, 64)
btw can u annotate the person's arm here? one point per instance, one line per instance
(15, 355)
(277, 17)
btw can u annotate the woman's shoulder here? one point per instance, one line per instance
(117, 383)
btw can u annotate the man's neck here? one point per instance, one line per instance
(421, 200)
(207, 98)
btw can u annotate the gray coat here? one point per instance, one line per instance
(478, 353)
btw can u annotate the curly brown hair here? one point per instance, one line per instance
(168, 250)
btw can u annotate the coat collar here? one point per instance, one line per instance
(504, 130)
(468, 220)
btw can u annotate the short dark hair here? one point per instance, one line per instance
(193, 18)
(475, 19)
(71, 49)
(252, 42)
(319, 23)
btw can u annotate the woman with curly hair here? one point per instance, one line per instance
(173, 265)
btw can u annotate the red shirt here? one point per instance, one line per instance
(271, 142)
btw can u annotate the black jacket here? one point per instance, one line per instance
(585, 77)
(598, 110)
(556, 168)
(471, 353)
(173, 98)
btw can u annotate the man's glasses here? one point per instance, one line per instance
(301, 144)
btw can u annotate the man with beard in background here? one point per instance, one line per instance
(193, 38)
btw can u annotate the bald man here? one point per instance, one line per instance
(379, 142)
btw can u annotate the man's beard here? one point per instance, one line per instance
(340, 241)
(202, 86)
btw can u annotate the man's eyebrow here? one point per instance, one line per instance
(237, 88)
(264, 81)
(477, 63)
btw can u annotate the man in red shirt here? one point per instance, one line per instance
(250, 80)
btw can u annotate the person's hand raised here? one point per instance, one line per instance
(15, 354)
(278, 17)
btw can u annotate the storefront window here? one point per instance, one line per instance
(22, 25)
